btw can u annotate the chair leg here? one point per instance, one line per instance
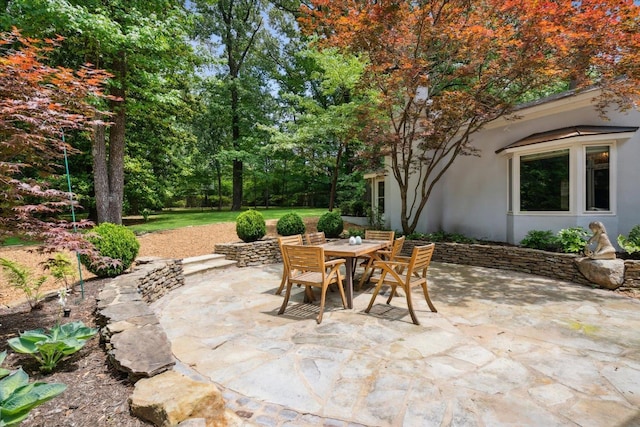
(375, 292)
(392, 293)
(322, 301)
(410, 306)
(282, 282)
(426, 296)
(341, 289)
(286, 298)
(366, 274)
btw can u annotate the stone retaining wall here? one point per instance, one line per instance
(158, 277)
(631, 275)
(254, 253)
(549, 264)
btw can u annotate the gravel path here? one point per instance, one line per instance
(180, 243)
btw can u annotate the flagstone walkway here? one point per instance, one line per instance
(504, 349)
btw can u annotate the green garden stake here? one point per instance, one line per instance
(73, 212)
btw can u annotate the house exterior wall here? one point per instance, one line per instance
(472, 197)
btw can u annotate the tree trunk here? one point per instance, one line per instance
(100, 173)
(108, 168)
(116, 163)
(236, 204)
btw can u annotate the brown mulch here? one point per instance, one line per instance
(97, 395)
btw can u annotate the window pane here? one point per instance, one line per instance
(380, 196)
(544, 181)
(597, 179)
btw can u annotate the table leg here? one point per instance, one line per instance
(350, 272)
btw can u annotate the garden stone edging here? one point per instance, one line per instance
(137, 345)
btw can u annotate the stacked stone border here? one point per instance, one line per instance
(548, 264)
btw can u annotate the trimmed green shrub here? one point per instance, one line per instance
(544, 240)
(572, 240)
(250, 226)
(331, 223)
(116, 242)
(353, 232)
(290, 224)
(631, 243)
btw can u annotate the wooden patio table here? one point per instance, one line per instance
(342, 249)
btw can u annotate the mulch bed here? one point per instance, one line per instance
(96, 394)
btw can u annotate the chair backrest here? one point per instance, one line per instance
(316, 238)
(305, 258)
(420, 259)
(379, 235)
(397, 247)
(296, 239)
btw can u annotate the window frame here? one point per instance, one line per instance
(577, 175)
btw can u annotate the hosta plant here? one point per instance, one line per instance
(49, 348)
(631, 243)
(18, 397)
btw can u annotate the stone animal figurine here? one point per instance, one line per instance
(604, 249)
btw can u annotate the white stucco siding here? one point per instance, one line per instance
(628, 178)
(472, 197)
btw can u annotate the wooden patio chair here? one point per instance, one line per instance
(380, 255)
(315, 239)
(400, 273)
(286, 240)
(308, 268)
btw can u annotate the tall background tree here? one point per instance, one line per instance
(144, 46)
(444, 69)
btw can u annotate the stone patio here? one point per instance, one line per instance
(504, 349)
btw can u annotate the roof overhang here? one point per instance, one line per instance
(375, 175)
(584, 132)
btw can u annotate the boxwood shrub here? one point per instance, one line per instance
(113, 241)
(331, 223)
(290, 224)
(250, 226)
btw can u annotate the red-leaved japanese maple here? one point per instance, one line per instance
(37, 104)
(445, 68)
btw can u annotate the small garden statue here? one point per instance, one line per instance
(604, 249)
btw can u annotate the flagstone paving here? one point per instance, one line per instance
(504, 349)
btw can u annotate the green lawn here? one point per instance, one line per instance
(177, 218)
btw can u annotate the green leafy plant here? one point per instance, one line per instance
(354, 208)
(331, 223)
(116, 242)
(21, 277)
(145, 214)
(49, 348)
(544, 240)
(18, 397)
(61, 269)
(572, 240)
(631, 243)
(250, 226)
(290, 224)
(356, 232)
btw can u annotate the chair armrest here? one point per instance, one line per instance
(336, 261)
(390, 264)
